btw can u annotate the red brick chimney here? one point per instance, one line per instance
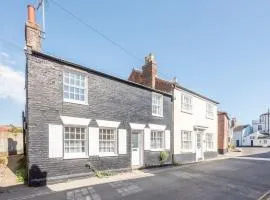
(150, 71)
(32, 31)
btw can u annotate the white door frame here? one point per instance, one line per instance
(140, 147)
(199, 151)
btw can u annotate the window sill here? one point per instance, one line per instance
(161, 116)
(107, 155)
(211, 118)
(75, 102)
(158, 149)
(69, 157)
(187, 112)
(210, 150)
(187, 151)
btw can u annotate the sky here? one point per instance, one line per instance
(220, 49)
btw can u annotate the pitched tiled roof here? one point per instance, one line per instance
(162, 85)
(4, 128)
(136, 75)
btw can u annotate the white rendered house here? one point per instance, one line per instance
(195, 126)
(239, 132)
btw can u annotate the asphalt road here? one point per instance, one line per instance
(221, 179)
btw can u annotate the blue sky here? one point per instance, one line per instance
(218, 48)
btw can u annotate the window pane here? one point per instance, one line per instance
(66, 88)
(74, 86)
(107, 140)
(71, 95)
(66, 95)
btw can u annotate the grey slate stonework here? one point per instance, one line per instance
(108, 98)
(184, 158)
(210, 154)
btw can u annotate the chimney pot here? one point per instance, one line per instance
(31, 14)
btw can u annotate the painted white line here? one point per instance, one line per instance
(263, 196)
(252, 158)
(32, 196)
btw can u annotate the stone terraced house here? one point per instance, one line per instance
(77, 118)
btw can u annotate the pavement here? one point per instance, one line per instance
(245, 175)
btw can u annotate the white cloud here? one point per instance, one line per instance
(5, 59)
(11, 84)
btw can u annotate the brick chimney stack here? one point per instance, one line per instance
(150, 71)
(32, 31)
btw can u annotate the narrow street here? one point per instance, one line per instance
(233, 178)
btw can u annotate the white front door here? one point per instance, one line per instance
(199, 146)
(135, 148)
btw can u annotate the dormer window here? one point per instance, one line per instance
(75, 88)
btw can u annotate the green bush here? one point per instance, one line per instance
(231, 146)
(102, 174)
(21, 175)
(163, 157)
(21, 172)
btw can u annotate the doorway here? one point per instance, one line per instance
(199, 146)
(252, 143)
(136, 148)
(237, 143)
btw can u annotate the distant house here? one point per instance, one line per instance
(194, 115)
(11, 140)
(263, 141)
(256, 139)
(239, 133)
(262, 125)
(78, 118)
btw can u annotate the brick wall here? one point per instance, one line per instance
(223, 131)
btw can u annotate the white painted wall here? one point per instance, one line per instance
(238, 135)
(256, 140)
(186, 121)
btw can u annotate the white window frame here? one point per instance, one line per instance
(163, 140)
(186, 106)
(209, 111)
(159, 106)
(209, 144)
(101, 153)
(75, 155)
(188, 141)
(85, 87)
